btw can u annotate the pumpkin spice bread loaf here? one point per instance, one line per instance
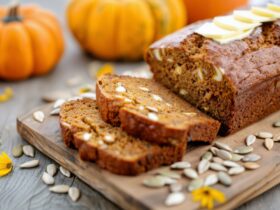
(110, 147)
(148, 110)
(236, 83)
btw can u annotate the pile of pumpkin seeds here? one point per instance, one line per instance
(217, 165)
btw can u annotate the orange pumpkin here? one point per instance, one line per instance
(114, 29)
(31, 42)
(203, 9)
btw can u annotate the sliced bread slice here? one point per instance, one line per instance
(110, 147)
(148, 110)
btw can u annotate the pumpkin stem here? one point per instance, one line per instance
(12, 14)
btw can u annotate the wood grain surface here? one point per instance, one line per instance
(24, 189)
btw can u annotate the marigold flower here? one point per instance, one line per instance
(6, 95)
(6, 164)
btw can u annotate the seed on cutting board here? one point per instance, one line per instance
(207, 155)
(177, 187)
(236, 157)
(55, 111)
(154, 182)
(74, 193)
(250, 140)
(64, 171)
(223, 146)
(39, 116)
(167, 180)
(276, 124)
(203, 166)
(251, 165)
(211, 179)
(59, 189)
(251, 158)
(268, 143)
(230, 164)
(214, 150)
(264, 135)
(51, 169)
(277, 139)
(225, 155)
(28, 150)
(217, 167)
(17, 151)
(243, 150)
(236, 170)
(195, 184)
(190, 173)
(217, 160)
(181, 165)
(175, 198)
(224, 178)
(30, 164)
(58, 103)
(170, 174)
(47, 179)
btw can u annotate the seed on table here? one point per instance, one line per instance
(223, 146)
(177, 187)
(264, 135)
(211, 179)
(180, 165)
(268, 143)
(190, 173)
(251, 165)
(277, 139)
(59, 189)
(175, 198)
(214, 150)
(17, 151)
(195, 184)
(236, 170)
(236, 157)
(51, 169)
(47, 179)
(217, 167)
(276, 124)
(243, 150)
(225, 155)
(250, 140)
(167, 180)
(224, 178)
(154, 182)
(28, 150)
(203, 166)
(64, 171)
(207, 155)
(29, 164)
(170, 174)
(217, 160)
(74, 193)
(230, 164)
(251, 158)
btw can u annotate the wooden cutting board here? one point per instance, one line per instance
(129, 193)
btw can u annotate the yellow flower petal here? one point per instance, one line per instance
(210, 203)
(5, 159)
(217, 196)
(6, 164)
(6, 95)
(105, 69)
(4, 172)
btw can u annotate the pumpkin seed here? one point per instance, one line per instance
(243, 150)
(59, 189)
(276, 124)
(177, 187)
(28, 150)
(223, 146)
(51, 169)
(154, 182)
(39, 116)
(55, 111)
(236, 157)
(181, 165)
(217, 160)
(64, 171)
(268, 143)
(251, 158)
(170, 174)
(211, 179)
(152, 116)
(251, 165)
(30, 164)
(217, 167)
(207, 155)
(277, 139)
(230, 164)
(17, 151)
(214, 150)
(167, 180)
(58, 103)
(74, 193)
(224, 178)
(236, 170)
(175, 198)
(195, 184)
(224, 154)
(203, 166)
(190, 173)
(47, 179)
(264, 135)
(250, 140)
